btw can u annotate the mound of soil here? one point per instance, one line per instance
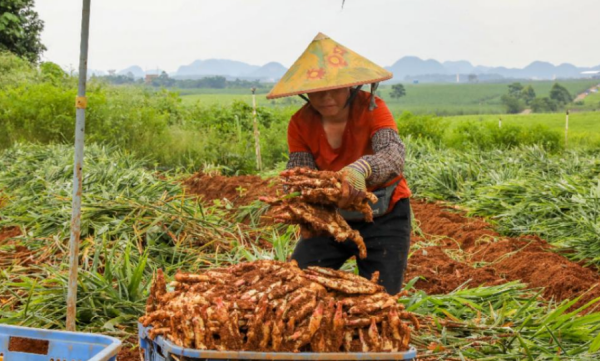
(469, 250)
(451, 249)
(240, 190)
(7, 234)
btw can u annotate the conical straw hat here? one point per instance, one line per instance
(326, 65)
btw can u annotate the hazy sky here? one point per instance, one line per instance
(167, 34)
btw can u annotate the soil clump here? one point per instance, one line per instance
(28, 345)
(241, 190)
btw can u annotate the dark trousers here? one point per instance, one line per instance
(387, 240)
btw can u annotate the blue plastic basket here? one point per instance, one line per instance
(161, 350)
(61, 345)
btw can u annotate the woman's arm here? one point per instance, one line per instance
(388, 160)
(301, 159)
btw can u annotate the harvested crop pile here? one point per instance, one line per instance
(275, 306)
(313, 202)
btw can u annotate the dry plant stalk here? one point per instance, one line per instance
(277, 307)
(314, 206)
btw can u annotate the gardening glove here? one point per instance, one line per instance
(354, 182)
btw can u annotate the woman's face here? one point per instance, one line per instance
(329, 103)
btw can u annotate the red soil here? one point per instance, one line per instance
(28, 345)
(459, 249)
(500, 259)
(240, 190)
(130, 350)
(7, 234)
(11, 251)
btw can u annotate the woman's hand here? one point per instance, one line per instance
(354, 183)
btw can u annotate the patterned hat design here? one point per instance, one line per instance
(327, 65)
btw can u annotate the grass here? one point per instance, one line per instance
(440, 99)
(135, 222)
(590, 102)
(218, 99)
(232, 91)
(523, 190)
(228, 98)
(505, 322)
(593, 98)
(584, 127)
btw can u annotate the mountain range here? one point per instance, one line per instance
(411, 67)
(408, 68)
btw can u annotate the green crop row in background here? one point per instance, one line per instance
(439, 99)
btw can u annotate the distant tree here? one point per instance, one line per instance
(541, 105)
(515, 90)
(560, 94)
(512, 103)
(244, 84)
(163, 80)
(528, 94)
(119, 79)
(473, 78)
(20, 29)
(216, 82)
(398, 91)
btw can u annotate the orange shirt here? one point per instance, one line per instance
(306, 134)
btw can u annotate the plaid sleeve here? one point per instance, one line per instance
(388, 160)
(301, 159)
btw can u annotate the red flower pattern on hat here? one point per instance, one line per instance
(336, 60)
(339, 50)
(313, 74)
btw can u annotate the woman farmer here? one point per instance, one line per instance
(342, 128)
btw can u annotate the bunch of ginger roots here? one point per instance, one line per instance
(271, 306)
(313, 200)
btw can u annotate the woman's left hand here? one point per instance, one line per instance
(353, 186)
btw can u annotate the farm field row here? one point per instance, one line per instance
(584, 127)
(441, 99)
(591, 102)
(464, 275)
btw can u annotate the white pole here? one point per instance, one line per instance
(499, 122)
(256, 132)
(80, 104)
(567, 129)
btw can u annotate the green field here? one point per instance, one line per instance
(593, 98)
(440, 99)
(138, 214)
(580, 124)
(216, 99)
(583, 122)
(590, 103)
(459, 99)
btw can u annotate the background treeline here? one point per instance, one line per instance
(520, 97)
(164, 81)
